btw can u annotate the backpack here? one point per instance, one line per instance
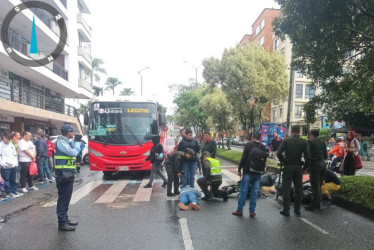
(257, 158)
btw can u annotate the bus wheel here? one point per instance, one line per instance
(107, 174)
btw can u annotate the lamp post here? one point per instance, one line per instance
(141, 80)
(194, 68)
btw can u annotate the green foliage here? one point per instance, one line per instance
(357, 189)
(325, 134)
(247, 72)
(333, 42)
(111, 83)
(236, 156)
(97, 91)
(127, 92)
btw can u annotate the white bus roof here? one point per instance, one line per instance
(123, 99)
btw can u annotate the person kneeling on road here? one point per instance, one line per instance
(188, 198)
(331, 183)
(213, 178)
(173, 169)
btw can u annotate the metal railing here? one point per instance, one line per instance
(41, 14)
(60, 71)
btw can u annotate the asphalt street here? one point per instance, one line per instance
(115, 214)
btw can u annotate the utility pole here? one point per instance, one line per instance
(290, 101)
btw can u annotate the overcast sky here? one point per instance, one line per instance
(132, 35)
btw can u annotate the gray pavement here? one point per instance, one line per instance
(156, 224)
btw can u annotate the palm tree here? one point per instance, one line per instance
(98, 91)
(96, 70)
(111, 83)
(127, 92)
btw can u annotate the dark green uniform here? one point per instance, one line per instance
(294, 147)
(172, 166)
(318, 153)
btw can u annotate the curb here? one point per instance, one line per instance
(366, 212)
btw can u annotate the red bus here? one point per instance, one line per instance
(120, 131)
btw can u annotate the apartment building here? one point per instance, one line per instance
(33, 98)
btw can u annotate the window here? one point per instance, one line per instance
(274, 115)
(262, 41)
(280, 113)
(257, 29)
(82, 74)
(309, 91)
(299, 91)
(277, 44)
(262, 24)
(299, 74)
(298, 111)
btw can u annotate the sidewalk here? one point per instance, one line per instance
(367, 168)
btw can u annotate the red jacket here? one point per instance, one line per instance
(51, 148)
(338, 149)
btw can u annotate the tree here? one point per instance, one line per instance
(111, 83)
(333, 42)
(219, 111)
(98, 91)
(127, 92)
(248, 72)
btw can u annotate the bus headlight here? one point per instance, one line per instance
(95, 153)
(147, 153)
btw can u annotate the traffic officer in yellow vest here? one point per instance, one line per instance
(65, 169)
(213, 178)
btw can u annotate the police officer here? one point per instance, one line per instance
(174, 171)
(65, 169)
(318, 154)
(213, 177)
(294, 147)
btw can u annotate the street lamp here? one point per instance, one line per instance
(141, 80)
(194, 68)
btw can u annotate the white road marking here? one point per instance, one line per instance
(186, 234)
(111, 194)
(314, 226)
(143, 194)
(231, 175)
(83, 191)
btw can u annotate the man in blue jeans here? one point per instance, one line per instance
(188, 198)
(42, 158)
(251, 176)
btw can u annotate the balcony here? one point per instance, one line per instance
(20, 44)
(84, 84)
(83, 53)
(84, 23)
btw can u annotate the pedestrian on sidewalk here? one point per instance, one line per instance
(294, 148)
(318, 154)
(51, 151)
(188, 197)
(26, 154)
(253, 163)
(274, 145)
(210, 145)
(8, 163)
(156, 156)
(16, 136)
(42, 158)
(351, 148)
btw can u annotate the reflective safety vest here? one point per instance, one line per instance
(64, 161)
(215, 167)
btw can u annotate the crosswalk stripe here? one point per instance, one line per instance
(143, 194)
(83, 191)
(231, 175)
(111, 194)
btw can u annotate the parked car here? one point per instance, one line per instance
(242, 143)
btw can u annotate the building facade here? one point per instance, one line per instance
(34, 98)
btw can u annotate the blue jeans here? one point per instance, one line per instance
(43, 169)
(188, 197)
(9, 176)
(334, 162)
(189, 169)
(249, 181)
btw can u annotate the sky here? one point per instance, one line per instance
(162, 35)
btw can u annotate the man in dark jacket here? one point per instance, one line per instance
(274, 145)
(156, 156)
(210, 146)
(189, 165)
(294, 147)
(318, 154)
(174, 171)
(42, 158)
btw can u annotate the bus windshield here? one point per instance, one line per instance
(118, 123)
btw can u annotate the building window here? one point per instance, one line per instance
(277, 44)
(299, 74)
(299, 91)
(80, 7)
(82, 74)
(309, 91)
(298, 111)
(257, 30)
(262, 41)
(262, 24)
(274, 115)
(280, 113)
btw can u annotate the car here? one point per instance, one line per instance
(170, 146)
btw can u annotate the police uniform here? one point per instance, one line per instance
(172, 166)
(214, 176)
(65, 170)
(318, 153)
(294, 147)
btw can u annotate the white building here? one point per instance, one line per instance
(33, 98)
(302, 91)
